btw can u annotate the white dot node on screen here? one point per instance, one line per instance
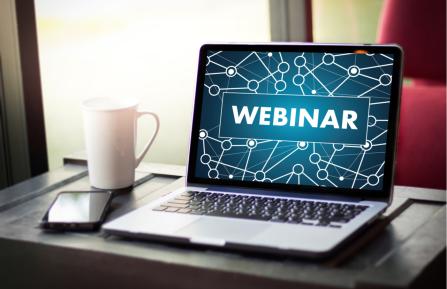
(338, 146)
(328, 59)
(302, 145)
(214, 90)
(230, 176)
(370, 54)
(372, 121)
(322, 174)
(353, 71)
(251, 143)
(231, 71)
(314, 158)
(314, 91)
(205, 159)
(341, 178)
(213, 173)
(280, 85)
(385, 79)
(373, 180)
(253, 85)
(298, 79)
(299, 61)
(203, 134)
(283, 67)
(226, 144)
(207, 61)
(259, 176)
(367, 146)
(298, 169)
(266, 180)
(269, 54)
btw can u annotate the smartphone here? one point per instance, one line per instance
(77, 210)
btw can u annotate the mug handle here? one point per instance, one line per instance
(149, 143)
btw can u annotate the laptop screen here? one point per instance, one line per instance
(307, 118)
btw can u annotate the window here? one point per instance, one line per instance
(346, 20)
(138, 48)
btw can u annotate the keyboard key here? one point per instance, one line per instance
(160, 208)
(184, 211)
(175, 205)
(180, 201)
(306, 223)
(197, 212)
(171, 209)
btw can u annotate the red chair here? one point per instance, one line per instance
(419, 27)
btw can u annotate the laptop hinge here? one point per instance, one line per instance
(276, 193)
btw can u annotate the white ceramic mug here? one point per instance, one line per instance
(110, 126)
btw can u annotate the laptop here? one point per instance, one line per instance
(292, 150)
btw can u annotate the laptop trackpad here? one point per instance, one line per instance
(222, 229)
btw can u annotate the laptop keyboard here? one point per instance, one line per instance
(281, 210)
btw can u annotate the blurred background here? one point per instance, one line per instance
(56, 53)
(149, 50)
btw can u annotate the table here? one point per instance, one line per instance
(403, 249)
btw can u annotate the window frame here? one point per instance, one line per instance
(22, 118)
(291, 20)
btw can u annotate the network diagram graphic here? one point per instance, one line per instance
(304, 74)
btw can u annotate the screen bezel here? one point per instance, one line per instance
(389, 166)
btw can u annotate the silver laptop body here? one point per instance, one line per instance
(352, 173)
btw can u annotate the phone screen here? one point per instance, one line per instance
(78, 207)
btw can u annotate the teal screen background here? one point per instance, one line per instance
(311, 158)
